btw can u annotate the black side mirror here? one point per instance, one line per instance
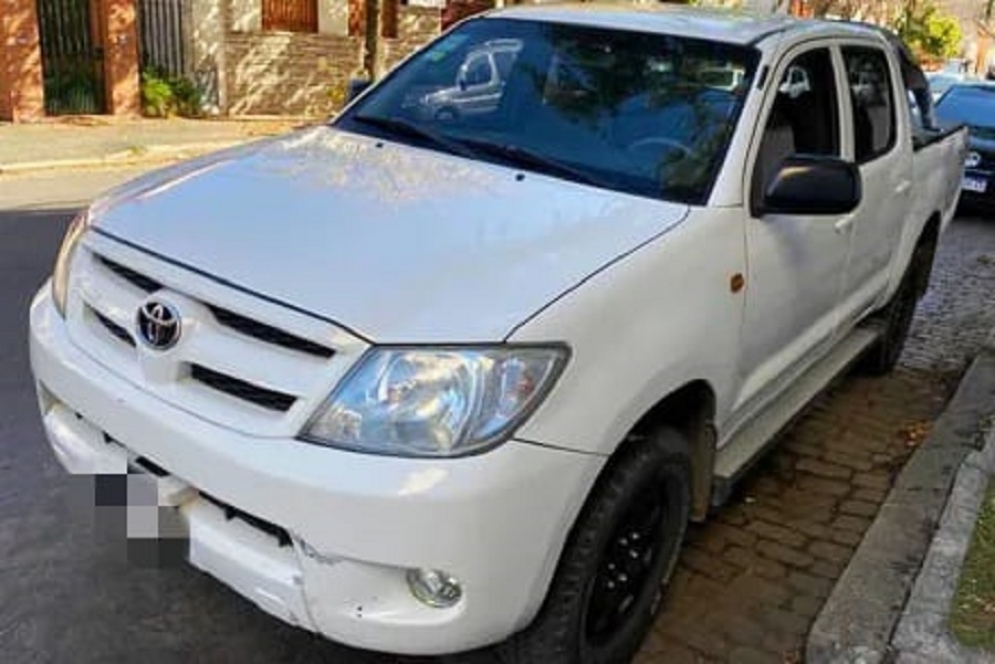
(807, 184)
(356, 87)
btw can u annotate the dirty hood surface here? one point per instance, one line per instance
(398, 243)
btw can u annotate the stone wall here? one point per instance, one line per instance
(306, 74)
(288, 73)
(415, 27)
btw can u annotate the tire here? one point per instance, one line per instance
(896, 317)
(646, 491)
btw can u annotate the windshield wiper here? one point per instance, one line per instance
(403, 127)
(527, 158)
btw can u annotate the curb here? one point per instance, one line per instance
(147, 154)
(858, 620)
(922, 636)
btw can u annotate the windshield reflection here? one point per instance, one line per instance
(641, 113)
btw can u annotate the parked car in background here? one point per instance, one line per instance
(974, 105)
(479, 83)
(423, 384)
(939, 82)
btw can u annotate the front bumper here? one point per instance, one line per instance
(356, 522)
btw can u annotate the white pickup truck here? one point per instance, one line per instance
(437, 376)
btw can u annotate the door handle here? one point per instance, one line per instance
(844, 223)
(903, 186)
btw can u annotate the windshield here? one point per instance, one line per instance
(647, 114)
(970, 105)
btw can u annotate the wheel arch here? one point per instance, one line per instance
(690, 409)
(929, 237)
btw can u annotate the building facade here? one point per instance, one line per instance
(92, 56)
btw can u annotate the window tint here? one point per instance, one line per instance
(871, 100)
(644, 113)
(804, 118)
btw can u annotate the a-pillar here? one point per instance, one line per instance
(22, 96)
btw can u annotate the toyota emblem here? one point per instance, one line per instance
(973, 160)
(159, 325)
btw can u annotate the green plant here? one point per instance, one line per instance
(972, 618)
(930, 33)
(157, 96)
(165, 94)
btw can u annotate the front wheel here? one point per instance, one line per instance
(617, 561)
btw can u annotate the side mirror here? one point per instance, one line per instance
(356, 87)
(814, 185)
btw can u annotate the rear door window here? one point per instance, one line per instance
(871, 100)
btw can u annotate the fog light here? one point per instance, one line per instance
(434, 588)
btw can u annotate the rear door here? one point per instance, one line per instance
(878, 142)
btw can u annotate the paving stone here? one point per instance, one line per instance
(835, 553)
(847, 537)
(769, 531)
(785, 554)
(806, 605)
(870, 495)
(824, 469)
(753, 589)
(787, 622)
(753, 563)
(705, 563)
(743, 630)
(744, 655)
(859, 508)
(861, 462)
(807, 584)
(880, 481)
(827, 569)
(813, 529)
(855, 524)
(820, 485)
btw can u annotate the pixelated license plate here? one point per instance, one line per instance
(976, 185)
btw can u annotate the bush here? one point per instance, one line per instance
(164, 95)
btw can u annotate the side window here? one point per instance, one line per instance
(872, 102)
(804, 118)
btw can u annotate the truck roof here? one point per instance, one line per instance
(732, 26)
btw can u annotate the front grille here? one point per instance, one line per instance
(240, 389)
(281, 535)
(135, 278)
(230, 319)
(268, 333)
(119, 332)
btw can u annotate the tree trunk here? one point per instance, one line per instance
(371, 39)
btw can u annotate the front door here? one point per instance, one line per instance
(796, 264)
(71, 56)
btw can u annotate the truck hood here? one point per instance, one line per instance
(397, 243)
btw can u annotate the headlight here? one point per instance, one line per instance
(435, 402)
(60, 275)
